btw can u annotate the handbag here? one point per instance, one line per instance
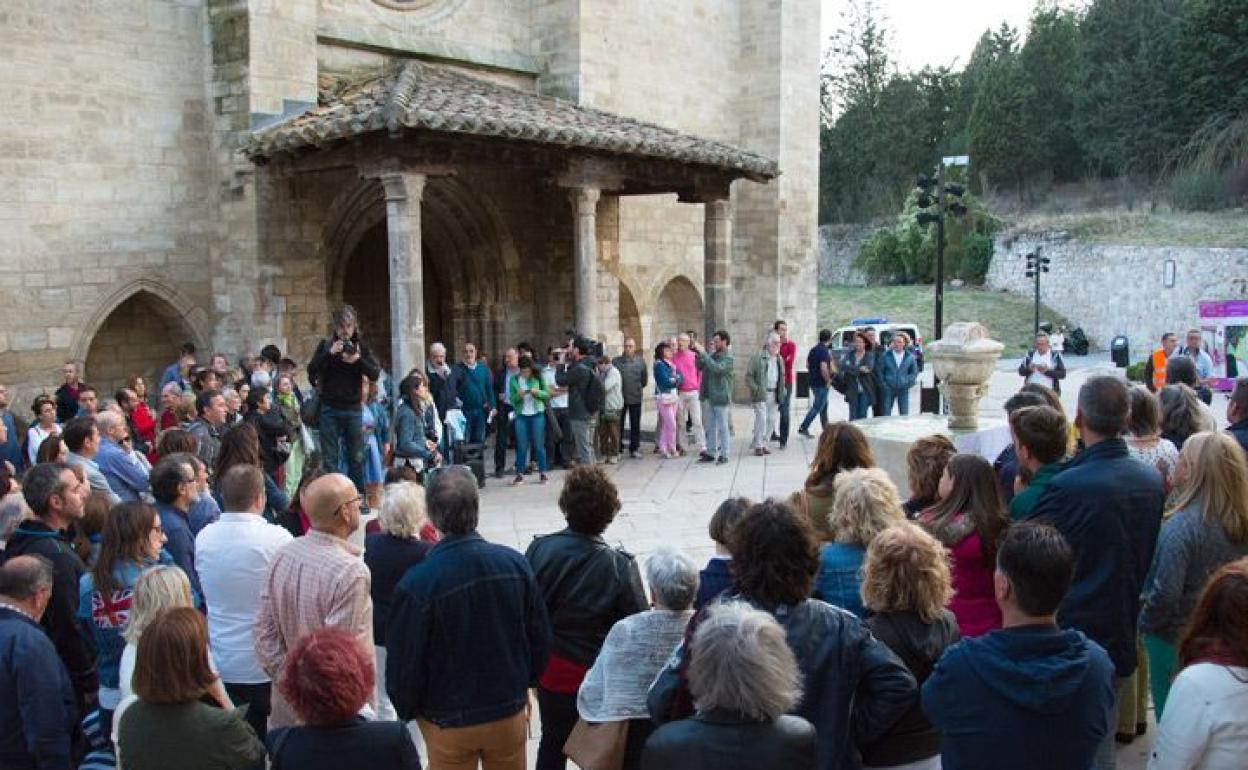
(552, 425)
(670, 397)
(281, 451)
(310, 412)
(597, 745)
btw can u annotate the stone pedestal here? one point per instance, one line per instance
(891, 437)
(964, 360)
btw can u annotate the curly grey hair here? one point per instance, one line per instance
(673, 578)
(741, 661)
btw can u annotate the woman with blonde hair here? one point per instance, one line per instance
(388, 554)
(866, 504)
(1143, 438)
(842, 447)
(1206, 528)
(157, 589)
(906, 585)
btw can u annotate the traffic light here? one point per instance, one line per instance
(956, 190)
(927, 217)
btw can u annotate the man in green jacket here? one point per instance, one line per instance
(765, 378)
(1040, 440)
(716, 367)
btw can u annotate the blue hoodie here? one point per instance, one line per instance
(1023, 697)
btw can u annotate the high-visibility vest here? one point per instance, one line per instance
(1159, 369)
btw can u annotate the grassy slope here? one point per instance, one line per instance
(1008, 317)
(1163, 228)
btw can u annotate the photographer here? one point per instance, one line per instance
(577, 374)
(336, 369)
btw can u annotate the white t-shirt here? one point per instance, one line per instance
(232, 557)
(1205, 725)
(556, 402)
(1045, 360)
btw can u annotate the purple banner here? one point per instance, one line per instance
(1234, 308)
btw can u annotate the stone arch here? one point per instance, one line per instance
(120, 338)
(470, 263)
(677, 308)
(630, 316)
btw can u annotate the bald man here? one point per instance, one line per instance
(315, 581)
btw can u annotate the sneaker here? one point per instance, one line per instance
(634, 455)
(498, 474)
(804, 433)
(518, 480)
(543, 479)
(759, 451)
(705, 458)
(609, 461)
(766, 451)
(722, 461)
(783, 444)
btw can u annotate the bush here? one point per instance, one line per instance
(1201, 191)
(976, 258)
(1135, 372)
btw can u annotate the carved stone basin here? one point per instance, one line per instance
(963, 360)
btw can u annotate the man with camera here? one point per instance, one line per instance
(337, 369)
(578, 375)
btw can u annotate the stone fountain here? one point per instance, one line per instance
(963, 360)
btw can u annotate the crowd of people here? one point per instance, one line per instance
(164, 568)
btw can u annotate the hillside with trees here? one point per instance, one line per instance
(1147, 93)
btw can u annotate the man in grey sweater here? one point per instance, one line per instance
(634, 377)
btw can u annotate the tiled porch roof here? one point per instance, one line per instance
(425, 98)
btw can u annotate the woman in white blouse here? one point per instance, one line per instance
(1205, 724)
(45, 425)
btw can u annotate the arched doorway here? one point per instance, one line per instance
(678, 309)
(630, 318)
(140, 336)
(471, 290)
(366, 286)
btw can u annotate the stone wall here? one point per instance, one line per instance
(838, 248)
(104, 175)
(1111, 290)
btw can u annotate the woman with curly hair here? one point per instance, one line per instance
(850, 677)
(906, 585)
(587, 586)
(969, 521)
(866, 504)
(45, 425)
(842, 447)
(1206, 725)
(925, 464)
(327, 679)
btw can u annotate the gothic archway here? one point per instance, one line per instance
(679, 307)
(140, 335)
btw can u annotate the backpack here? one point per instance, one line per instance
(595, 395)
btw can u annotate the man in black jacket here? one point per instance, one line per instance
(575, 375)
(338, 368)
(1108, 506)
(56, 495)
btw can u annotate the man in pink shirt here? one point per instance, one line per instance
(788, 354)
(684, 361)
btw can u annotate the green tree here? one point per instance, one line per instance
(1049, 61)
(1002, 148)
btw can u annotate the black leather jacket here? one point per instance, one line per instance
(588, 586)
(855, 688)
(722, 740)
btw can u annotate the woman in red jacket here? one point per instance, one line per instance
(969, 521)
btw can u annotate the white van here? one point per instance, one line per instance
(843, 338)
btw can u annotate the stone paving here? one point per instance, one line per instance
(669, 502)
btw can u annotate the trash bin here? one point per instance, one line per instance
(1120, 351)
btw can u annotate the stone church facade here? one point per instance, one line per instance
(226, 171)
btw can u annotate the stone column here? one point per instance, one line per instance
(407, 300)
(585, 257)
(717, 233)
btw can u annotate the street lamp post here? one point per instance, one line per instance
(1036, 265)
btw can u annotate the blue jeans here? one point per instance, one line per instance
(476, 426)
(819, 407)
(784, 414)
(716, 419)
(342, 442)
(902, 397)
(858, 405)
(530, 430)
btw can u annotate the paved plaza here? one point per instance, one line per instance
(669, 502)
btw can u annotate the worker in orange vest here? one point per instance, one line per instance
(1155, 369)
